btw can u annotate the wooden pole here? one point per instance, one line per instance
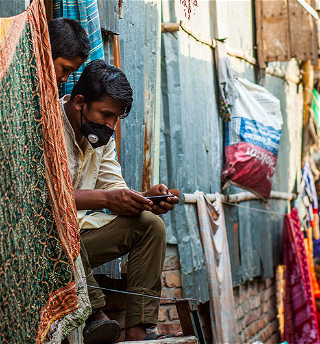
(117, 63)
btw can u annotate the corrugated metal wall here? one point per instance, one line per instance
(258, 234)
(12, 8)
(191, 137)
(191, 142)
(139, 49)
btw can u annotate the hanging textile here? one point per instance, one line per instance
(86, 13)
(226, 89)
(315, 105)
(216, 251)
(300, 323)
(314, 283)
(39, 238)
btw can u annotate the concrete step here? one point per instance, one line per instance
(176, 340)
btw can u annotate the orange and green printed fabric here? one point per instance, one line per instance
(39, 238)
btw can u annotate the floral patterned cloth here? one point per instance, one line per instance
(39, 237)
(300, 323)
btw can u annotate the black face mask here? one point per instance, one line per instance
(97, 134)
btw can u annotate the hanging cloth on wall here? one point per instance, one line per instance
(39, 237)
(309, 198)
(86, 13)
(300, 323)
(226, 89)
(216, 250)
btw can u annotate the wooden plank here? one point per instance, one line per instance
(260, 47)
(314, 61)
(275, 32)
(49, 9)
(301, 32)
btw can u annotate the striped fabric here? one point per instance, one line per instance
(86, 13)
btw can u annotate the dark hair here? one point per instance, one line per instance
(68, 39)
(99, 79)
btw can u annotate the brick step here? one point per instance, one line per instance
(176, 340)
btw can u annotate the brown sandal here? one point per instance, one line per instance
(101, 332)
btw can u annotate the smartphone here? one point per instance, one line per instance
(158, 199)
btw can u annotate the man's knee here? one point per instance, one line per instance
(154, 225)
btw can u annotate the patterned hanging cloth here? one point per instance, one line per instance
(300, 323)
(215, 246)
(39, 238)
(86, 13)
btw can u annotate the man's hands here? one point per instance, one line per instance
(162, 207)
(119, 201)
(125, 201)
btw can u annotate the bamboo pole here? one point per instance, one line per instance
(307, 82)
(197, 36)
(240, 197)
(241, 55)
(170, 27)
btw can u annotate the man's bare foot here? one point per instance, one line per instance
(135, 333)
(97, 315)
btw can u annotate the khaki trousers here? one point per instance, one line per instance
(144, 238)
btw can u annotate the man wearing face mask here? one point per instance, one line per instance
(131, 225)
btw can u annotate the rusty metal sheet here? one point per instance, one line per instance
(109, 15)
(146, 171)
(139, 33)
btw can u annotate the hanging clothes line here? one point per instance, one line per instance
(256, 209)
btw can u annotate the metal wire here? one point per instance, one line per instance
(256, 209)
(174, 299)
